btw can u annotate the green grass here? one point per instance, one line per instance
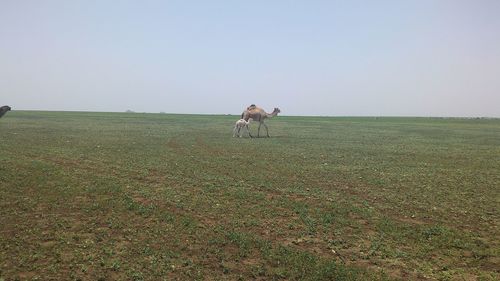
(106, 196)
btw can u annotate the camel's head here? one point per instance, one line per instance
(276, 110)
(6, 108)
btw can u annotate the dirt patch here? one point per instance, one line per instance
(174, 144)
(208, 148)
(48, 244)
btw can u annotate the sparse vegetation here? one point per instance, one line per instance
(105, 196)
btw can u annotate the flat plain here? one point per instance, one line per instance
(132, 196)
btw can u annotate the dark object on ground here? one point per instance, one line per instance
(4, 110)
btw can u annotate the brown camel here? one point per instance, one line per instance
(259, 115)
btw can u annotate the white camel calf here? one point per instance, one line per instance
(240, 124)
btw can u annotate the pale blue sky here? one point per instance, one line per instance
(356, 58)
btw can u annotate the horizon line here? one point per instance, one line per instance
(283, 115)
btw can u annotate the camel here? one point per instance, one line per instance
(242, 123)
(4, 110)
(258, 114)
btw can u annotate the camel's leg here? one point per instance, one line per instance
(267, 130)
(234, 131)
(248, 130)
(258, 131)
(249, 134)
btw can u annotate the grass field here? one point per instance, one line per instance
(116, 196)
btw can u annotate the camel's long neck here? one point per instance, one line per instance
(271, 115)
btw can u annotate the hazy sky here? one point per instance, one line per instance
(408, 58)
